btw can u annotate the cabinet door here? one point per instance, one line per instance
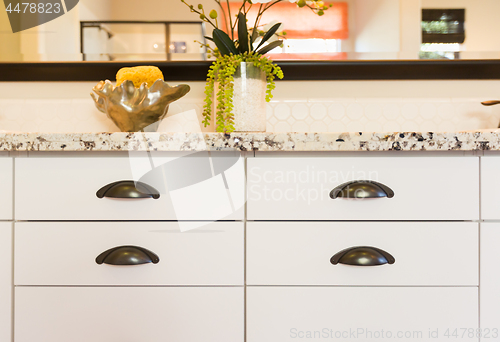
(425, 253)
(5, 280)
(103, 188)
(129, 314)
(211, 255)
(362, 314)
(490, 280)
(490, 187)
(6, 188)
(343, 188)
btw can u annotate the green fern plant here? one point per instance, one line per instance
(230, 52)
(222, 71)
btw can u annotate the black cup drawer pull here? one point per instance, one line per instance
(362, 256)
(362, 189)
(128, 189)
(127, 255)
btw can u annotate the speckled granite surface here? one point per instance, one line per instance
(404, 141)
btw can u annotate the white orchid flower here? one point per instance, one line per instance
(272, 39)
(260, 1)
(268, 26)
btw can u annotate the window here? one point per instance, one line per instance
(443, 32)
(307, 34)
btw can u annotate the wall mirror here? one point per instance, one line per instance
(354, 30)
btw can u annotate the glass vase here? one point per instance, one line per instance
(249, 99)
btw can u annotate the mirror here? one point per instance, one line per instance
(165, 30)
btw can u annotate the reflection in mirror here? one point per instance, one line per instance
(161, 30)
(150, 41)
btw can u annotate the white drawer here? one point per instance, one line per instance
(299, 253)
(490, 188)
(190, 187)
(360, 314)
(6, 181)
(85, 314)
(490, 281)
(425, 188)
(64, 253)
(5, 281)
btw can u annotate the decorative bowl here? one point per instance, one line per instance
(136, 109)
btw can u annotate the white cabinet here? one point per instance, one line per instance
(425, 188)
(426, 253)
(265, 271)
(5, 281)
(189, 188)
(490, 188)
(64, 253)
(6, 188)
(490, 280)
(490, 241)
(115, 314)
(360, 313)
(195, 292)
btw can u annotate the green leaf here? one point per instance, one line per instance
(269, 47)
(224, 43)
(255, 34)
(209, 38)
(242, 33)
(269, 34)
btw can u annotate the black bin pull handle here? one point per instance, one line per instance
(362, 256)
(128, 189)
(362, 189)
(127, 256)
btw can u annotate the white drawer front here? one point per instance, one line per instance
(299, 253)
(6, 180)
(129, 314)
(490, 280)
(5, 281)
(64, 253)
(360, 314)
(490, 188)
(190, 187)
(425, 188)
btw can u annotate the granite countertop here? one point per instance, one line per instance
(400, 141)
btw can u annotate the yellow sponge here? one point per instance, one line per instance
(139, 75)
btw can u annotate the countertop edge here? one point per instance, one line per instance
(263, 141)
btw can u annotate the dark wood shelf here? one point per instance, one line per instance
(293, 70)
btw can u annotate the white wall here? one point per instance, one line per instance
(377, 26)
(10, 46)
(163, 10)
(411, 32)
(314, 106)
(482, 24)
(94, 9)
(60, 40)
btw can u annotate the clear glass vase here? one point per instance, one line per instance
(249, 99)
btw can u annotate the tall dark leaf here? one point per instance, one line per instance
(242, 33)
(224, 43)
(209, 38)
(255, 34)
(269, 47)
(269, 34)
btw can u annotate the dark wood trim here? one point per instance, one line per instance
(293, 70)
